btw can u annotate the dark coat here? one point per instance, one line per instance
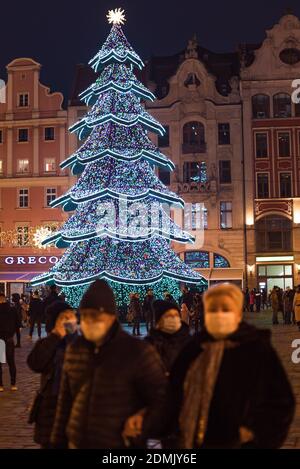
(187, 299)
(47, 358)
(148, 309)
(9, 321)
(102, 386)
(36, 309)
(136, 309)
(169, 345)
(252, 390)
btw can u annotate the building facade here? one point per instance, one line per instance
(199, 105)
(271, 128)
(33, 142)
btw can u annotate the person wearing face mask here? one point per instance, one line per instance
(108, 376)
(229, 388)
(47, 358)
(170, 334)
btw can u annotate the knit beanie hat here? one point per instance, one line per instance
(53, 311)
(161, 307)
(99, 296)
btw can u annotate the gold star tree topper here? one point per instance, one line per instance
(116, 16)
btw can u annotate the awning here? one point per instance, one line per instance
(218, 274)
(24, 277)
(226, 274)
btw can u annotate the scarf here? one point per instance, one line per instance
(198, 390)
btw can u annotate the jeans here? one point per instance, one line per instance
(38, 323)
(10, 359)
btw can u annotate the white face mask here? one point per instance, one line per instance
(171, 325)
(220, 325)
(94, 331)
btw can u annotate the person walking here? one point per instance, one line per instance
(136, 309)
(186, 298)
(247, 300)
(169, 334)
(252, 300)
(274, 305)
(229, 388)
(50, 298)
(296, 306)
(99, 391)
(9, 323)
(198, 312)
(288, 297)
(16, 304)
(148, 312)
(47, 358)
(36, 313)
(257, 300)
(185, 314)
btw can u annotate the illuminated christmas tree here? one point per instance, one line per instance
(120, 229)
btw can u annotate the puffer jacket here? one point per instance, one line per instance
(169, 345)
(102, 386)
(47, 358)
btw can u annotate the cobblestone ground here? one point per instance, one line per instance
(16, 433)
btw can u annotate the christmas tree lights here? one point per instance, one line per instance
(121, 229)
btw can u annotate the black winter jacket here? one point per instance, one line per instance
(9, 321)
(36, 309)
(102, 386)
(169, 346)
(252, 390)
(47, 358)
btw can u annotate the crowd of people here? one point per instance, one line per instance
(221, 387)
(190, 305)
(286, 302)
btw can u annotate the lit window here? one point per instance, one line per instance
(50, 195)
(197, 259)
(22, 235)
(194, 171)
(1, 166)
(224, 134)
(225, 215)
(282, 105)
(220, 261)
(23, 166)
(49, 165)
(23, 198)
(23, 100)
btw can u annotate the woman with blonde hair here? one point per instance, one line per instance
(229, 389)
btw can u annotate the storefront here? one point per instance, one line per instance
(16, 272)
(214, 267)
(275, 271)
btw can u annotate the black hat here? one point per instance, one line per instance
(53, 311)
(161, 307)
(99, 296)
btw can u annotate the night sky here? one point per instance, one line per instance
(59, 34)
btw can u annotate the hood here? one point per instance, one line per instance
(245, 333)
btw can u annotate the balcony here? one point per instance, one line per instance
(194, 148)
